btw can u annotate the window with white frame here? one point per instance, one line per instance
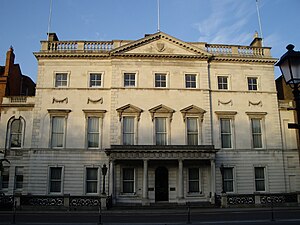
(259, 173)
(93, 132)
(161, 131)
(194, 180)
(128, 180)
(228, 179)
(223, 82)
(226, 133)
(190, 80)
(58, 131)
(91, 180)
(55, 179)
(252, 83)
(61, 79)
(128, 130)
(16, 133)
(18, 177)
(256, 133)
(95, 80)
(160, 80)
(129, 79)
(5, 178)
(192, 130)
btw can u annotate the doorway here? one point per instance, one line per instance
(161, 184)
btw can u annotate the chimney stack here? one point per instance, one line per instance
(10, 60)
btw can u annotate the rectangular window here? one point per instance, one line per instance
(190, 80)
(160, 80)
(161, 130)
(222, 83)
(61, 80)
(93, 134)
(129, 79)
(226, 133)
(228, 179)
(5, 178)
(55, 180)
(252, 83)
(192, 131)
(128, 130)
(18, 177)
(58, 132)
(128, 180)
(260, 179)
(194, 180)
(256, 133)
(91, 180)
(95, 79)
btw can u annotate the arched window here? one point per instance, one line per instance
(16, 132)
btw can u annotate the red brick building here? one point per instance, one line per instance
(12, 81)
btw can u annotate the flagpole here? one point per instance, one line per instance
(158, 16)
(259, 23)
(49, 20)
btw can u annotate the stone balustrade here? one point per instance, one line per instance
(72, 46)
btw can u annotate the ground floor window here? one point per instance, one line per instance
(5, 178)
(128, 180)
(259, 179)
(55, 180)
(194, 180)
(19, 177)
(91, 180)
(228, 179)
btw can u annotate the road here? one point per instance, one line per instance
(156, 216)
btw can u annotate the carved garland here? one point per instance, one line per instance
(255, 103)
(225, 103)
(54, 100)
(100, 100)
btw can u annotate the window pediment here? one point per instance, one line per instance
(129, 109)
(94, 112)
(161, 109)
(192, 110)
(59, 111)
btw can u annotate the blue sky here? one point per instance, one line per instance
(25, 22)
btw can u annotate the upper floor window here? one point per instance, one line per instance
(160, 80)
(61, 79)
(58, 132)
(190, 80)
(252, 83)
(226, 133)
(192, 130)
(95, 79)
(16, 133)
(55, 180)
(256, 133)
(93, 132)
(129, 79)
(128, 130)
(161, 131)
(222, 82)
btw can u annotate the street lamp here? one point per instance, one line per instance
(289, 65)
(104, 172)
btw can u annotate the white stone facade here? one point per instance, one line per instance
(156, 77)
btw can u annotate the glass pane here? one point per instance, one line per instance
(259, 173)
(16, 126)
(228, 186)
(93, 124)
(260, 185)
(192, 125)
(128, 174)
(160, 124)
(91, 187)
(15, 140)
(55, 186)
(193, 174)
(55, 173)
(92, 173)
(228, 173)
(193, 186)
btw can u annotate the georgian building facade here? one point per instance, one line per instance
(162, 114)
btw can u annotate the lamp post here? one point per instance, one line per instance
(104, 172)
(289, 65)
(222, 174)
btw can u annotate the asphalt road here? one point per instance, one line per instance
(158, 217)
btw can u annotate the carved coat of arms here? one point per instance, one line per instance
(160, 46)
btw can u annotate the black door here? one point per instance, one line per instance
(161, 184)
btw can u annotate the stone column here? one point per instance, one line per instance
(111, 191)
(180, 180)
(145, 200)
(212, 180)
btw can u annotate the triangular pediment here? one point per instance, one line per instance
(161, 109)
(129, 109)
(160, 45)
(192, 110)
